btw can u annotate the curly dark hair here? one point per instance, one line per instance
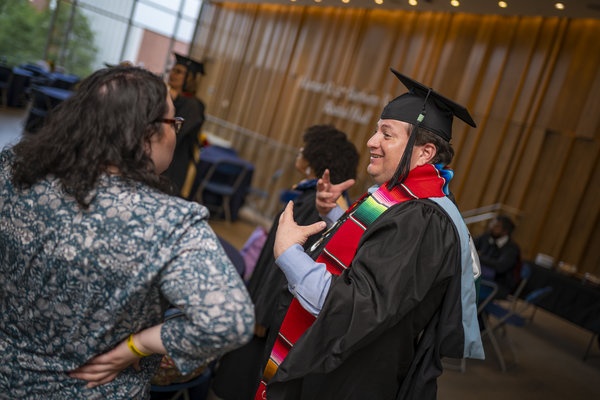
(326, 147)
(444, 152)
(107, 122)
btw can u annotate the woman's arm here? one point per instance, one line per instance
(105, 367)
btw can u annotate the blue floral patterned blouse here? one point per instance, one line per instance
(74, 283)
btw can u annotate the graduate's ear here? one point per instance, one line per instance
(424, 154)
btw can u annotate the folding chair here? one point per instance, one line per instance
(510, 315)
(38, 110)
(223, 179)
(5, 77)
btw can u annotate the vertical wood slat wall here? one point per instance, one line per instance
(532, 85)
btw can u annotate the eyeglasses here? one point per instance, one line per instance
(177, 123)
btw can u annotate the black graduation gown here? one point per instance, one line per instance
(192, 110)
(386, 320)
(239, 371)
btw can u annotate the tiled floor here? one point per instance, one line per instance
(11, 125)
(550, 349)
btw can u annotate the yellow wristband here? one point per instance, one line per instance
(134, 349)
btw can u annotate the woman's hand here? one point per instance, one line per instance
(290, 233)
(105, 367)
(328, 193)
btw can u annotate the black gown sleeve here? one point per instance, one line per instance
(403, 260)
(267, 285)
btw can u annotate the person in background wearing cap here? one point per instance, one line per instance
(182, 87)
(392, 287)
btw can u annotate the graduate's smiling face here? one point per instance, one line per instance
(386, 147)
(177, 76)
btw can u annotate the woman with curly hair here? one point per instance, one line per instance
(324, 148)
(93, 251)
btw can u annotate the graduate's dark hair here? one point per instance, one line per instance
(444, 153)
(107, 122)
(326, 147)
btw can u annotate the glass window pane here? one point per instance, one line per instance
(109, 35)
(185, 31)
(165, 5)
(154, 19)
(192, 8)
(116, 7)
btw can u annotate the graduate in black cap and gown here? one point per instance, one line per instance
(182, 87)
(391, 287)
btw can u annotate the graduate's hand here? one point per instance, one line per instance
(328, 193)
(290, 233)
(105, 367)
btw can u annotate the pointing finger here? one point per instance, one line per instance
(317, 227)
(345, 185)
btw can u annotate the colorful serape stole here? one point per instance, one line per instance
(422, 182)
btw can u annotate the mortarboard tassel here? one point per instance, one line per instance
(404, 167)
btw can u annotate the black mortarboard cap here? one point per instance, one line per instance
(421, 107)
(192, 66)
(437, 110)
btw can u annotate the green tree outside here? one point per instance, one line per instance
(24, 32)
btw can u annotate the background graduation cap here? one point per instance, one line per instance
(193, 67)
(422, 107)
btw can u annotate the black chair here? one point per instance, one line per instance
(5, 77)
(510, 313)
(63, 81)
(18, 88)
(222, 181)
(36, 69)
(38, 110)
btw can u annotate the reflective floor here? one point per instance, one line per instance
(11, 125)
(550, 349)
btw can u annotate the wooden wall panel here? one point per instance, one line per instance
(482, 162)
(579, 156)
(537, 80)
(543, 188)
(581, 56)
(589, 123)
(532, 85)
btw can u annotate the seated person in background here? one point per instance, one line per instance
(182, 88)
(499, 255)
(324, 148)
(94, 250)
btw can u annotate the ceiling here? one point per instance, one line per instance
(546, 8)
